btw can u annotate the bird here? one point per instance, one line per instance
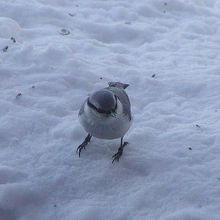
(106, 114)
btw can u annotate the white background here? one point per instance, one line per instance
(169, 53)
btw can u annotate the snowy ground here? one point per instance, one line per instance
(62, 50)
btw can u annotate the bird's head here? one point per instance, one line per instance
(103, 102)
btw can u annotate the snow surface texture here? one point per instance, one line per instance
(54, 53)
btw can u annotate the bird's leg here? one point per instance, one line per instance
(84, 143)
(120, 151)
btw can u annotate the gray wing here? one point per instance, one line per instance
(123, 97)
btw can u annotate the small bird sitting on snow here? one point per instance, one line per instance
(106, 114)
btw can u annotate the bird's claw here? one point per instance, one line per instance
(79, 149)
(118, 155)
(83, 145)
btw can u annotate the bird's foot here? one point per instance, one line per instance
(83, 145)
(118, 155)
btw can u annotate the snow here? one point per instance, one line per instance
(168, 51)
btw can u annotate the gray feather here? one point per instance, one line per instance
(118, 85)
(123, 97)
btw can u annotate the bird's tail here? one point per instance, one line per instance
(118, 85)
